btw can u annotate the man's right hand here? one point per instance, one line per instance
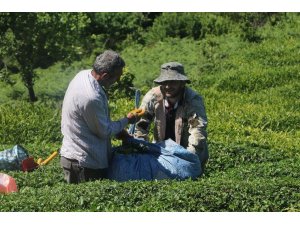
(134, 115)
(123, 135)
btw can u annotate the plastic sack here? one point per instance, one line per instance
(7, 184)
(141, 160)
(11, 159)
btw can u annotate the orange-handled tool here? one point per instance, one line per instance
(138, 112)
(30, 164)
(55, 153)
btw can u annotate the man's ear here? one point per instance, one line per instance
(104, 76)
(98, 76)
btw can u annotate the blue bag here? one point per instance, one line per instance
(148, 161)
(11, 159)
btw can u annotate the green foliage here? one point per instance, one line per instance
(109, 30)
(123, 88)
(145, 62)
(249, 23)
(34, 40)
(251, 93)
(28, 123)
(193, 25)
(209, 194)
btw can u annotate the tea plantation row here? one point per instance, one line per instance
(251, 93)
(243, 174)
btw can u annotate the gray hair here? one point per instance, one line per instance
(108, 62)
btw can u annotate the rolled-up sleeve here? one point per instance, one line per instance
(197, 122)
(143, 125)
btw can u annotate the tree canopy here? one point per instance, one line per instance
(32, 40)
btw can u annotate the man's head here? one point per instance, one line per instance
(108, 68)
(172, 79)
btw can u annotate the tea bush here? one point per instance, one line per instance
(211, 194)
(24, 122)
(251, 92)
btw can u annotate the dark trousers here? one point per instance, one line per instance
(75, 174)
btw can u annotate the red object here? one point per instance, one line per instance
(29, 164)
(7, 184)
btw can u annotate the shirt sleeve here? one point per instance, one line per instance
(197, 122)
(143, 125)
(97, 118)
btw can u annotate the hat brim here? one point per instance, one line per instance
(179, 77)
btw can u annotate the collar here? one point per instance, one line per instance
(168, 105)
(97, 85)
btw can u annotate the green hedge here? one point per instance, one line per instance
(251, 93)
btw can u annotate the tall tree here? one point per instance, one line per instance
(32, 40)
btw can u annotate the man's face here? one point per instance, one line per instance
(112, 78)
(173, 88)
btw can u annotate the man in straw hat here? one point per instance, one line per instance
(178, 112)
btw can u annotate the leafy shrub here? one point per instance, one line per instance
(109, 30)
(251, 93)
(217, 194)
(25, 123)
(249, 23)
(192, 25)
(124, 88)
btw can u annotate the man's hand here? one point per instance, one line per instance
(135, 115)
(123, 135)
(139, 112)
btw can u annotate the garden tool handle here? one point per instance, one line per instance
(55, 153)
(138, 112)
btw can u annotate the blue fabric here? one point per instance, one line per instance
(11, 159)
(148, 161)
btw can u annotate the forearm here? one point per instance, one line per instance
(106, 128)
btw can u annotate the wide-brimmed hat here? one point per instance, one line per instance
(171, 71)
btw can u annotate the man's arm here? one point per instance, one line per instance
(98, 121)
(142, 127)
(197, 123)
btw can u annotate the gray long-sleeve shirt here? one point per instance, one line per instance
(86, 124)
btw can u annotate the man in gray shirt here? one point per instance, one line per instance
(86, 125)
